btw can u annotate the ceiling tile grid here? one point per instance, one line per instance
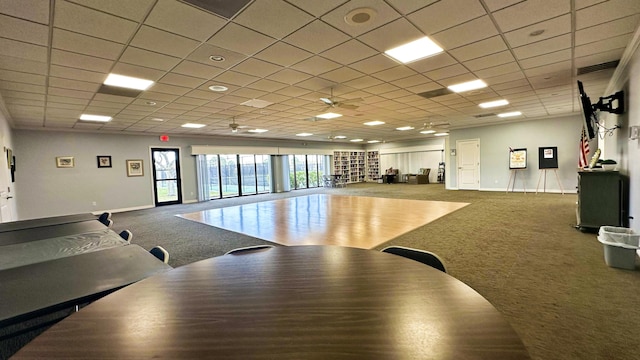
(291, 53)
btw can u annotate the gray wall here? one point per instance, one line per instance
(562, 132)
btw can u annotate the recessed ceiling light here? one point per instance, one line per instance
(216, 58)
(328, 115)
(257, 130)
(339, 137)
(101, 118)
(405, 128)
(496, 103)
(373, 141)
(441, 134)
(193, 126)
(415, 50)
(427, 131)
(304, 134)
(467, 86)
(156, 119)
(128, 82)
(510, 114)
(151, 103)
(374, 123)
(356, 140)
(218, 88)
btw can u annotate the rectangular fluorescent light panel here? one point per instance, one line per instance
(427, 131)
(414, 50)
(374, 123)
(373, 141)
(496, 103)
(329, 115)
(304, 134)
(339, 137)
(127, 82)
(193, 126)
(257, 131)
(510, 114)
(356, 140)
(441, 134)
(87, 117)
(467, 86)
(405, 128)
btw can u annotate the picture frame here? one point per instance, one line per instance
(104, 161)
(65, 161)
(517, 158)
(135, 168)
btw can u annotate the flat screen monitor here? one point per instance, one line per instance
(590, 118)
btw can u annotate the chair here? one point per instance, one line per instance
(422, 256)
(127, 235)
(104, 217)
(108, 223)
(160, 253)
(249, 249)
(327, 181)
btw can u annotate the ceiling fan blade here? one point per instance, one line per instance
(349, 101)
(326, 101)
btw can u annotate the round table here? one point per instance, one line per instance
(300, 302)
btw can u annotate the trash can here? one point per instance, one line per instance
(620, 245)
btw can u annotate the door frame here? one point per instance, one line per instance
(458, 165)
(178, 172)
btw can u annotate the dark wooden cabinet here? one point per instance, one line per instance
(602, 199)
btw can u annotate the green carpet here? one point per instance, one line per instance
(520, 251)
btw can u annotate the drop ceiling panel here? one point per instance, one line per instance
(23, 50)
(605, 12)
(136, 56)
(274, 18)
(529, 12)
(316, 65)
(33, 10)
(283, 54)
(467, 33)
(22, 30)
(76, 74)
(543, 47)
(552, 28)
(22, 65)
(316, 37)
(493, 60)
(342, 74)
(256, 67)
(184, 20)
(441, 15)
(73, 84)
(132, 10)
(137, 71)
(480, 48)
(163, 42)
(618, 42)
(15, 76)
(289, 76)
(80, 61)
(82, 44)
(252, 41)
(94, 23)
(317, 8)
(391, 35)
(195, 69)
(203, 52)
(615, 28)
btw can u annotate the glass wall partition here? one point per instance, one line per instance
(248, 174)
(263, 175)
(229, 175)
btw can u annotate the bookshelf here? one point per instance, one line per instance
(350, 164)
(373, 166)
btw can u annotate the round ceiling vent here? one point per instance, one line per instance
(360, 16)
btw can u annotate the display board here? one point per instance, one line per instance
(548, 157)
(517, 158)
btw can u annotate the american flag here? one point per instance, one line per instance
(584, 150)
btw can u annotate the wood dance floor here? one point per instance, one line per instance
(320, 219)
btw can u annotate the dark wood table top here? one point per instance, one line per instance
(49, 231)
(39, 222)
(61, 282)
(300, 302)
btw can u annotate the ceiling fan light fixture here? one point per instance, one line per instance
(328, 115)
(415, 50)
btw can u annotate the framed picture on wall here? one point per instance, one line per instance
(64, 161)
(104, 161)
(134, 168)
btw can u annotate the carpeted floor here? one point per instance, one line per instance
(520, 251)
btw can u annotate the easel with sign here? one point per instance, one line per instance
(548, 160)
(517, 163)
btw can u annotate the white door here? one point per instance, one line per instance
(468, 160)
(5, 209)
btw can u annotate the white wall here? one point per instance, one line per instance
(6, 142)
(562, 132)
(46, 190)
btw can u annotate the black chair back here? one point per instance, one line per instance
(422, 256)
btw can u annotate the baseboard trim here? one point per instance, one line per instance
(124, 209)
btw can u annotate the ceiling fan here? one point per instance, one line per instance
(345, 104)
(234, 126)
(434, 127)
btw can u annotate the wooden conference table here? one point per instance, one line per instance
(300, 302)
